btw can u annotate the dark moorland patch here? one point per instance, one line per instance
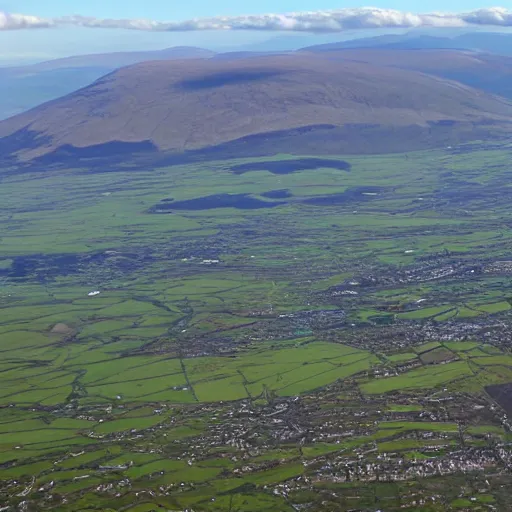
(239, 201)
(464, 192)
(290, 166)
(49, 266)
(322, 139)
(22, 139)
(312, 140)
(277, 194)
(109, 149)
(24, 266)
(502, 393)
(350, 195)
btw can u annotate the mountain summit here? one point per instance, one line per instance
(189, 105)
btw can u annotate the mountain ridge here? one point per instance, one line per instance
(24, 87)
(489, 42)
(116, 59)
(488, 72)
(183, 106)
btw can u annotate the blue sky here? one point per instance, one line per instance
(42, 44)
(179, 9)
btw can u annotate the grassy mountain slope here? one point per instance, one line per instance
(179, 106)
(491, 73)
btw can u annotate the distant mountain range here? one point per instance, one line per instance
(387, 93)
(25, 87)
(498, 43)
(357, 101)
(488, 72)
(118, 59)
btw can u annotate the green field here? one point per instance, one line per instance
(232, 349)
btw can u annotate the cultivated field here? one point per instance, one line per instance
(235, 335)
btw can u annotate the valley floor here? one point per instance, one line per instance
(262, 334)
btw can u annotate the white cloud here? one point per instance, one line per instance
(495, 16)
(21, 21)
(313, 21)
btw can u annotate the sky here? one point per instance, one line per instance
(168, 10)
(71, 36)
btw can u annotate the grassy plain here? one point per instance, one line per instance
(201, 307)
